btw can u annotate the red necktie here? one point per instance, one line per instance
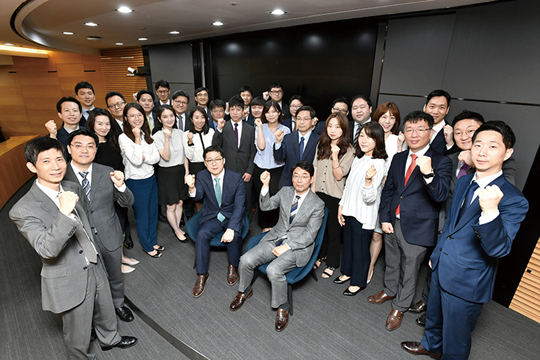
(408, 174)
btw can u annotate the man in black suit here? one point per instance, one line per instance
(163, 90)
(217, 109)
(116, 103)
(246, 93)
(70, 111)
(237, 139)
(146, 99)
(298, 145)
(438, 106)
(275, 92)
(202, 98)
(361, 114)
(180, 101)
(84, 92)
(295, 103)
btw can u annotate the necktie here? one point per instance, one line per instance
(463, 170)
(85, 184)
(356, 134)
(236, 133)
(84, 240)
(149, 123)
(294, 209)
(468, 199)
(301, 147)
(217, 189)
(410, 169)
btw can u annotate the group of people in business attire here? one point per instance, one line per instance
(416, 186)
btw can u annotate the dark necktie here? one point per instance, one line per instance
(301, 147)
(294, 209)
(85, 184)
(468, 199)
(217, 189)
(84, 240)
(410, 169)
(463, 170)
(356, 134)
(236, 133)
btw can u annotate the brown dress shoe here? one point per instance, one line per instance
(240, 299)
(417, 349)
(379, 298)
(393, 321)
(282, 319)
(232, 275)
(198, 289)
(418, 307)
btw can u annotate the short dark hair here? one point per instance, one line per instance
(199, 89)
(160, 110)
(67, 99)
(213, 148)
(307, 108)
(509, 139)
(258, 100)
(144, 91)
(414, 116)
(304, 165)
(178, 93)
(163, 83)
(216, 103)
(191, 126)
(38, 145)
(341, 99)
(245, 88)
(468, 115)
(363, 97)
(236, 100)
(275, 85)
(112, 136)
(83, 85)
(375, 131)
(436, 93)
(84, 132)
(297, 97)
(110, 94)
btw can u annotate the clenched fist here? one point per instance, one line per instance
(371, 172)
(489, 199)
(117, 178)
(424, 163)
(265, 179)
(220, 123)
(68, 200)
(449, 135)
(51, 128)
(258, 123)
(279, 135)
(190, 181)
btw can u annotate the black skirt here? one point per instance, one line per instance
(171, 186)
(195, 167)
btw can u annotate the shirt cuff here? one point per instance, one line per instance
(265, 190)
(483, 219)
(428, 181)
(277, 146)
(192, 195)
(121, 188)
(287, 245)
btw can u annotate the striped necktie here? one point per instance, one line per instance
(294, 209)
(85, 184)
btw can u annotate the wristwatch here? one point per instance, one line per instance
(430, 175)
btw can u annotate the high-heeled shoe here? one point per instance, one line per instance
(370, 276)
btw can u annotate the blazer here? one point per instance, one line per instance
(289, 152)
(101, 213)
(62, 135)
(419, 202)
(467, 253)
(239, 158)
(439, 143)
(301, 233)
(233, 197)
(52, 235)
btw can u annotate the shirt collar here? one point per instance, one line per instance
(220, 176)
(420, 153)
(52, 194)
(485, 181)
(439, 126)
(76, 170)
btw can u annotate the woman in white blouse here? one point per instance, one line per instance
(139, 155)
(359, 206)
(198, 138)
(169, 141)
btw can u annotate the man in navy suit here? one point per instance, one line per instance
(225, 194)
(84, 92)
(298, 145)
(438, 106)
(180, 101)
(70, 111)
(417, 184)
(484, 218)
(116, 103)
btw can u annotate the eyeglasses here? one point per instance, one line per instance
(419, 130)
(116, 105)
(180, 102)
(81, 146)
(213, 161)
(343, 111)
(275, 92)
(301, 177)
(303, 120)
(295, 106)
(162, 91)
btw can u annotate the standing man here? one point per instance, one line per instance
(438, 106)
(116, 104)
(361, 114)
(416, 186)
(101, 193)
(69, 110)
(484, 218)
(73, 280)
(202, 99)
(180, 101)
(275, 92)
(84, 92)
(289, 244)
(146, 99)
(225, 193)
(217, 108)
(163, 90)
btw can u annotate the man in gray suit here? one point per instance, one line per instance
(73, 280)
(100, 191)
(289, 244)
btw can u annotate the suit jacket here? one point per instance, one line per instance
(301, 233)
(239, 158)
(439, 143)
(288, 123)
(289, 152)
(62, 135)
(233, 197)
(419, 202)
(467, 253)
(101, 213)
(52, 235)
(250, 119)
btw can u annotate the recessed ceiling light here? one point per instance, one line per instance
(218, 23)
(90, 24)
(124, 10)
(93, 38)
(142, 39)
(119, 44)
(9, 44)
(277, 12)
(67, 33)
(174, 32)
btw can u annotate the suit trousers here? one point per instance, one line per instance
(145, 192)
(276, 270)
(331, 246)
(403, 262)
(113, 264)
(206, 233)
(356, 255)
(97, 307)
(450, 321)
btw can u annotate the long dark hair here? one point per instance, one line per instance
(112, 137)
(145, 128)
(159, 124)
(375, 131)
(272, 104)
(324, 149)
(202, 110)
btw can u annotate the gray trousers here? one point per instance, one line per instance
(97, 307)
(113, 264)
(276, 270)
(403, 262)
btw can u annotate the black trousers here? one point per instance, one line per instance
(331, 246)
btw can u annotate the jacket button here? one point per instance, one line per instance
(450, 237)
(80, 251)
(401, 197)
(432, 188)
(84, 268)
(440, 249)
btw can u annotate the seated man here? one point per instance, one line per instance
(289, 244)
(223, 211)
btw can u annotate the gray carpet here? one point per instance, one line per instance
(325, 323)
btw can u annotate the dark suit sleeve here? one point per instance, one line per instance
(439, 187)
(199, 190)
(124, 198)
(387, 193)
(281, 153)
(237, 219)
(252, 152)
(217, 140)
(509, 170)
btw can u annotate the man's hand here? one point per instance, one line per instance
(137, 133)
(280, 250)
(246, 177)
(258, 123)
(228, 236)
(117, 178)
(51, 128)
(466, 157)
(68, 200)
(489, 199)
(424, 163)
(449, 135)
(190, 181)
(220, 124)
(190, 138)
(266, 95)
(167, 133)
(245, 114)
(265, 179)
(387, 228)
(279, 135)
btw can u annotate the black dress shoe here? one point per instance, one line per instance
(124, 343)
(419, 307)
(417, 349)
(128, 242)
(421, 321)
(124, 313)
(338, 281)
(347, 292)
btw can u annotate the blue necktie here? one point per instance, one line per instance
(294, 209)
(468, 200)
(85, 184)
(301, 147)
(217, 189)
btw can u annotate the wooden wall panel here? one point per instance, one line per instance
(525, 299)
(114, 64)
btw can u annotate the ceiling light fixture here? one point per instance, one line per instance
(278, 12)
(124, 10)
(119, 44)
(218, 23)
(174, 32)
(67, 33)
(90, 24)
(142, 39)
